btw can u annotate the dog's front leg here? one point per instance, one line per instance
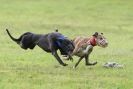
(78, 61)
(87, 59)
(58, 58)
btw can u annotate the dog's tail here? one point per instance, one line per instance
(14, 39)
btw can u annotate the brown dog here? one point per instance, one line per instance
(84, 46)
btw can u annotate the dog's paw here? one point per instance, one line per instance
(91, 64)
(94, 63)
(64, 64)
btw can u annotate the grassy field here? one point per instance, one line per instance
(20, 69)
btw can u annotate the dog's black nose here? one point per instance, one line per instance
(106, 44)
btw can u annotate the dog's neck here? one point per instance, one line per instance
(92, 41)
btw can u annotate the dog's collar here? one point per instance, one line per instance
(92, 41)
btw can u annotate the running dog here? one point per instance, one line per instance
(84, 46)
(50, 43)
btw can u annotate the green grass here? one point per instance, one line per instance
(20, 69)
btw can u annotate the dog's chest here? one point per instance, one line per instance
(84, 51)
(80, 52)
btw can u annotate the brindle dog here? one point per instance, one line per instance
(85, 45)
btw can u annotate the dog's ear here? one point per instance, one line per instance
(56, 30)
(95, 34)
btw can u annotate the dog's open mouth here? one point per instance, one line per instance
(104, 45)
